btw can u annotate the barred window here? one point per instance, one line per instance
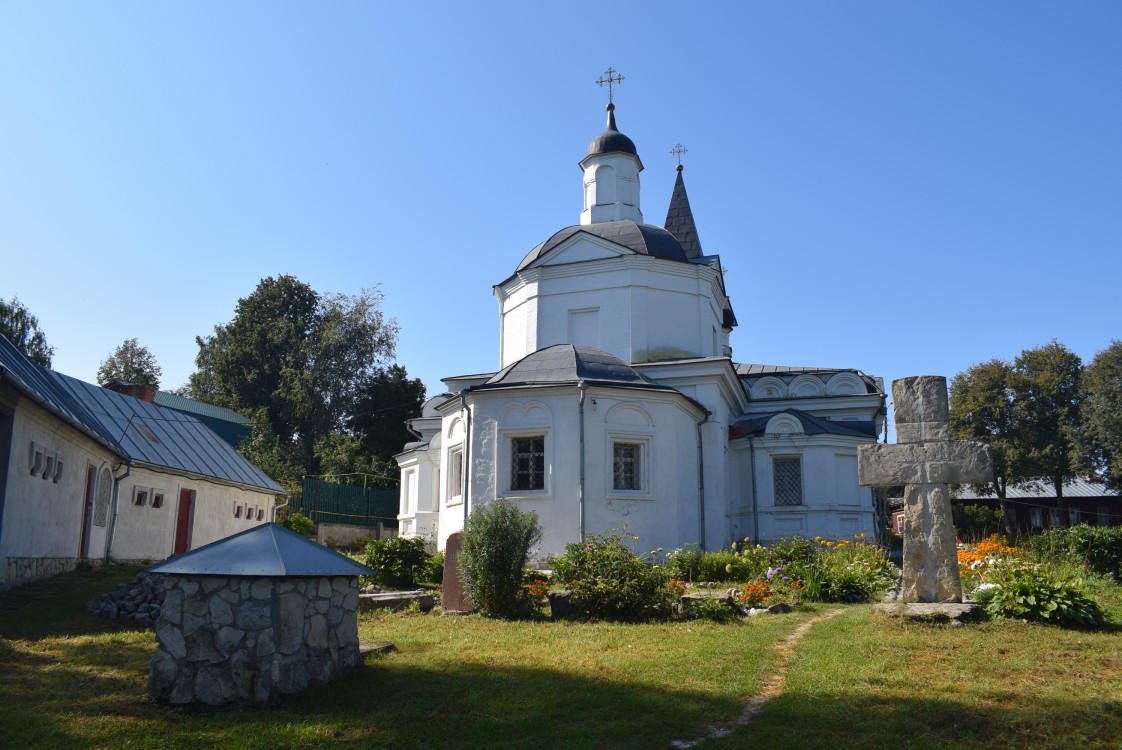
(788, 473)
(527, 465)
(626, 467)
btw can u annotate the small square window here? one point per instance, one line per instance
(157, 499)
(626, 466)
(260, 514)
(248, 512)
(140, 496)
(237, 510)
(1073, 514)
(1036, 517)
(58, 471)
(36, 459)
(527, 463)
(49, 468)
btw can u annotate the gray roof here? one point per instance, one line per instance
(265, 550)
(567, 364)
(748, 370)
(679, 219)
(134, 429)
(812, 425)
(1042, 490)
(644, 239)
(611, 141)
(194, 406)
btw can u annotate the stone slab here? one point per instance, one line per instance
(397, 600)
(930, 611)
(922, 398)
(454, 597)
(929, 462)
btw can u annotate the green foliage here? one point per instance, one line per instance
(713, 609)
(398, 562)
(266, 451)
(130, 363)
(1101, 436)
(434, 570)
(975, 522)
(793, 552)
(296, 521)
(1098, 548)
(21, 328)
(382, 405)
(301, 356)
(1030, 591)
(610, 582)
(1048, 400)
(497, 541)
(738, 563)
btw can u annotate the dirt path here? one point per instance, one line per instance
(771, 688)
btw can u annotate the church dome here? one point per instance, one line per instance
(644, 239)
(611, 141)
(569, 364)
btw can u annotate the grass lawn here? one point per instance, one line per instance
(67, 680)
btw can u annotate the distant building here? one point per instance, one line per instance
(88, 474)
(618, 403)
(1036, 506)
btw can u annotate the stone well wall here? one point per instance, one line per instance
(229, 640)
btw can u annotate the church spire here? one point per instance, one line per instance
(679, 217)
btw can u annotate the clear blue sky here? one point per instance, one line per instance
(904, 188)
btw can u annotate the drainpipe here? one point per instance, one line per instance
(276, 509)
(582, 387)
(752, 466)
(701, 485)
(467, 456)
(116, 505)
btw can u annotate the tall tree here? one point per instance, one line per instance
(299, 355)
(21, 328)
(131, 363)
(983, 408)
(1048, 400)
(1101, 436)
(386, 400)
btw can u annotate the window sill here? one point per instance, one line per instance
(642, 496)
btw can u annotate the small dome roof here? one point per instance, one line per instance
(644, 239)
(611, 141)
(568, 363)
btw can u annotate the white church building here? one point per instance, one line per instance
(618, 405)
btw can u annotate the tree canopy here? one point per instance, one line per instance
(1101, 436)
(296, 359)
(131, 363)
(20, 327)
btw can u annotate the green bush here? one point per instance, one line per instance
(739, 563)
(398, 562)
(497, 541)
(298, 522)
(713, 609)
(1032, 592)
(434, 570)
(685, 563)
(836, 571)
(1099, 548)
(608, 581)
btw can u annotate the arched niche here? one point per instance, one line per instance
(455, 429)
(845, 384)
(784, 424)
(769, 387)
(807, 386)
(533, 414)
(604, 183)
(629, 414)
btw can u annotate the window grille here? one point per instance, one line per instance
(626, 467)
(527, 466)
(788, 481)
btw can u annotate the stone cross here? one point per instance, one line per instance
(925, 460)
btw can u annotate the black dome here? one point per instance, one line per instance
(611, 141)
(568, 363)
(644, 239)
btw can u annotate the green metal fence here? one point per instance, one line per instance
(329, 502)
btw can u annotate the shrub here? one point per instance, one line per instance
(738, 563)
(713, 609)
(685, 563)
(1032, 592)
(497, 541)
(398, 562)
(434, 570)
(298, 522)
(1097, 547)
(608, 581)
(845, 570)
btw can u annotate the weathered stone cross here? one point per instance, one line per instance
(924, 459)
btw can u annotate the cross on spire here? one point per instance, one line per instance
(678, 150)
(613, 77)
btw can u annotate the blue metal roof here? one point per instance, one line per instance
(134, 429)
(265, 550)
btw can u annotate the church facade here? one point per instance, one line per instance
(618, 405)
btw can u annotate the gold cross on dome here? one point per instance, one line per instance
(678, 150)
(613, 77)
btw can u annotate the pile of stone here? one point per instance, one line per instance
(137, 601)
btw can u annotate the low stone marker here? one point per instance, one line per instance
(454, 597)
(924, 459)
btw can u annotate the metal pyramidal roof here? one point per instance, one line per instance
(265, 550)
(679, 219)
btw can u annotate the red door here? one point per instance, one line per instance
(87, 512)
(183, 522)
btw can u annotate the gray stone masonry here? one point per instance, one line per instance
(925, 460)
(235, 640)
